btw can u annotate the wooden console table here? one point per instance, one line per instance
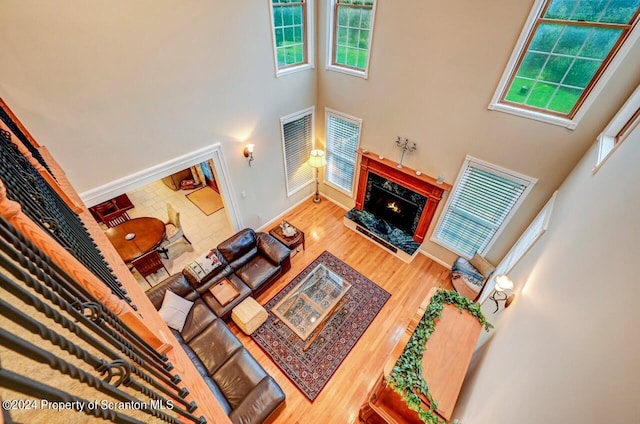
(445, 362)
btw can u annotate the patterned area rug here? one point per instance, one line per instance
(310, 370)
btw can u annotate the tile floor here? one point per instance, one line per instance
(204, 232)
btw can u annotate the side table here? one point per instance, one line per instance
(292, 242)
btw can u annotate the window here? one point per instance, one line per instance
(351, 28)
(292, 35)
(624, 123)
(483, 200)
(563, 54)
(297, 140)
(342, 140)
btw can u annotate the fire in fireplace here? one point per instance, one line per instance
(391, 208)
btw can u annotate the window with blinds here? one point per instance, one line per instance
(342, 140)
(483, 200)
(297, 141)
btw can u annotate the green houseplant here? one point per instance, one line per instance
(406, 376)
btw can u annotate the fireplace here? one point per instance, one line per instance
(394, 205)
(391, 208)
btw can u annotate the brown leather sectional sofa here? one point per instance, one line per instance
(251, 262)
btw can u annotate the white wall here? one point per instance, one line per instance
(434, 68)
(566, 351)
(113, 88)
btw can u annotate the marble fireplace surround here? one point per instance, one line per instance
(405, 182)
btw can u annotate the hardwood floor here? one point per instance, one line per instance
(408, 284)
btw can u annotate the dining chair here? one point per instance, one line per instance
(105, 208)
(115, 218)
(148, 264)
(173, 229)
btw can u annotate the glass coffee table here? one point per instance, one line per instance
(312, 301)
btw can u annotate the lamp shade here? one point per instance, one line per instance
(317, 159)
(503, 283)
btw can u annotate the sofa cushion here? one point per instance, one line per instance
(257, 271)
(238, 376)
(270, 247)
(214, 345)
(177, 283)
(262, 402)
(239, 248)
(482, 265)
(198, 319)
(203, 372)
(203, 267)
(174, 310)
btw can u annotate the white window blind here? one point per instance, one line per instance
(342, 140)
(483, 198)
(297, 139)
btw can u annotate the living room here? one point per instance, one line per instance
(114, 90)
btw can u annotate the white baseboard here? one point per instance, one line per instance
(278, 217)
(335, 202)
(435, 259)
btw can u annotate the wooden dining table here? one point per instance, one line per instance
(137, 236)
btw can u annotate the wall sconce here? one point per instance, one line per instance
(248, 152)
(503, 283)
(317, 161)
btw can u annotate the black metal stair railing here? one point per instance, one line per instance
(67, 335)
(36, 261)
(4, 116)
(41, 203)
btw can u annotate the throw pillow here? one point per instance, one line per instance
(200, 268)
(174, 310)
(482, 265)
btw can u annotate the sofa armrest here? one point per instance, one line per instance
(177, 283)
(272, 249)
(264, 401)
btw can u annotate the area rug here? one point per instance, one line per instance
(310, 370)
(206, 199)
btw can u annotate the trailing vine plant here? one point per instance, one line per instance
(406, 376)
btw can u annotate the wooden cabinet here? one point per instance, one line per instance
(173, 181)
(445, 363)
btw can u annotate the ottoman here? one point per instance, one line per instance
(249, 315)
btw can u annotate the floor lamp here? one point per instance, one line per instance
(317, 161)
